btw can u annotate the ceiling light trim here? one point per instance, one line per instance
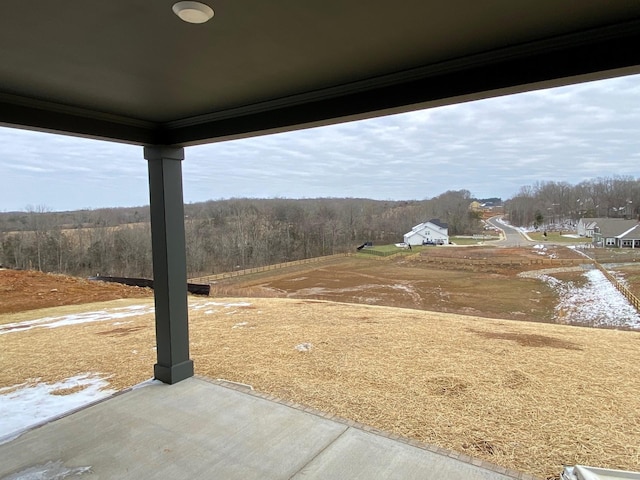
(193, 12)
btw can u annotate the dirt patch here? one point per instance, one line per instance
(447, 386)
(615, 255)
(408, 283)
(31, 290)
(629, 273)
(68, 391)
(530, 340)
(120, 331)
(504, 253)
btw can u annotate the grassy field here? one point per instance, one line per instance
(527, 396)
(557, 237)
(457, 240)
(385, 248)
(473, 241)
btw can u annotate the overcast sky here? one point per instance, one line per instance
(490, 147)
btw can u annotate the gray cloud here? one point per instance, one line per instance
(490, 147)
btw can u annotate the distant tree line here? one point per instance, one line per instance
(221, 235)
(548, 203)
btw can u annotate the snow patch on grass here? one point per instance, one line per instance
(77, 318)
(104, 315)
(206, 306)
(542, 250)
(24, 406)
(597, 303)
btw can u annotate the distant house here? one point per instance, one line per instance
(475, 206)
(616, 232)
(433, 232)
(586, 225)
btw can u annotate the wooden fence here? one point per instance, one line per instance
(209, 279)
(633, 300)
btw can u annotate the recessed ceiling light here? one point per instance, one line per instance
(193, 12)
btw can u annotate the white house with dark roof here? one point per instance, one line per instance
(433, 232)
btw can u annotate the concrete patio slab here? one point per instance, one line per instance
(361, 455)
(198, 429)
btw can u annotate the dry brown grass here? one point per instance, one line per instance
(526, 396)
(52, 355)
(408, 283)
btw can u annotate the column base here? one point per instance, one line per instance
(174, 373)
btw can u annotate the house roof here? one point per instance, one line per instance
(589, 223)
(633, 232)
(131, 71)
(438, 223)
(615, 227)
(429, 224)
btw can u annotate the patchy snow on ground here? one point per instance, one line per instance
(105, 315)
(596, 304)
(520, 229)
(409, 290)
(543, 250)
(206, 306)
(620, 277)
(77, 318)
(25, 405)
(304, 347)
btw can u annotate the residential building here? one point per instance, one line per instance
(616, 232)
(586, 225)
(433, 232)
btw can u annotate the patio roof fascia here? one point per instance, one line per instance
(573, 58)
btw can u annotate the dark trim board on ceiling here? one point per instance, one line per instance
(39, 115)
(590, 55)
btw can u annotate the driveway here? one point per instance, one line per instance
(511, 236)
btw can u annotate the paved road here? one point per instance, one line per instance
(512, 237)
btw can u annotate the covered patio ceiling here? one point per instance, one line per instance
(132, 71)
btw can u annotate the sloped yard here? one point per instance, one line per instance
(528, 396)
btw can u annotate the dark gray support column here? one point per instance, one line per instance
(169, 263)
